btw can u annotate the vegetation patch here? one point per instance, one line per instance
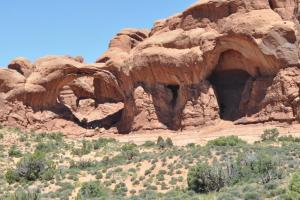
(50, 166)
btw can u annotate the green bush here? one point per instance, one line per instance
(270, 135)
(248, 166)
(120, 189)
(82, 164)
(252, 196)
(47, 147)
(21, 194)
(258, 166)
(57, 136)
(93, 190)
(295, 183)
(12, 176)
(129, 150)
(102, 142)
(31, 167)
(268, 168)
(204, 178)
(14, 151)
(87, 148)
(288, 138)
(227, 141)
(149, 144)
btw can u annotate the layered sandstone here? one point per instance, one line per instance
(234, 60)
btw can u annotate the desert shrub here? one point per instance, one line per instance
(93, 190)
(252, 196)
(120, 189)
(82, 164)
(147, 172)
(160, 177)
(23, 138)
(21, 194)
(267, 167)
(31, 167)
(86, 148)
(1, 135)
(286, 138)
(272, 185)
(191, 145)
(129, 150)
(247, 166)
(162, 172)
(290, 196)
(294, 185)
(149, 144)
(40, 136)
(173, 181)
(48, 174)
(99, 175)
(132, 170)
(169, 142)
(161, 143)
(102, 142)
(227, 141)
(204, 178)
(256, 165)
(132, 192)
(12, 176)
(146, 195)
(57, 136)
(270, 135)
(47, 147)
(14, 151)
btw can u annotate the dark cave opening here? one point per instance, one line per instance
(229, 86)
(174, 89)
(271, 4)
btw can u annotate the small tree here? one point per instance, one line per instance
(267, 167)
(203, 178)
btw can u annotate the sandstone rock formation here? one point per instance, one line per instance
(234, 60)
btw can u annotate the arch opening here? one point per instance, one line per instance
(229, 80)
(229, 86)
(89, 110)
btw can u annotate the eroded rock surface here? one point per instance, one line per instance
(234, 60)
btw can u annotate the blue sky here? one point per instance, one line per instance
(34, 28)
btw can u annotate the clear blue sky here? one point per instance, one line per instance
(34, 28)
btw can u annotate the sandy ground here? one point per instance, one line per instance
(250, 133)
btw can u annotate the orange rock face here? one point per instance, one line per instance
(234, 60)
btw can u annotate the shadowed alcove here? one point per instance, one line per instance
(229, 79)
(229, 86)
